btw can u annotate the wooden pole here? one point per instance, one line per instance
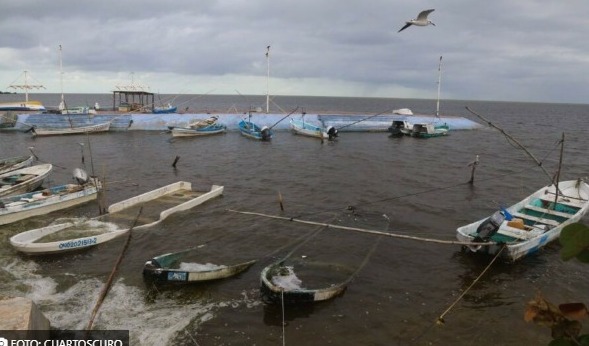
(474, 165)
(111, 277)
(361, 230)
(557, 179)
(280, 201)
(516, 142)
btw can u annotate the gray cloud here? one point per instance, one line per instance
(503, 50)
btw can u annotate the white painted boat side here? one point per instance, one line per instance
(46, 206)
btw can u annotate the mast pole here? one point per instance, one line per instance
(268, 80)
(439, 85)
(26, 88)
(62, 103)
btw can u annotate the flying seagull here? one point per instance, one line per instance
(421, 20)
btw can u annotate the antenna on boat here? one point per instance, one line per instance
(268, 80)
(439, 84)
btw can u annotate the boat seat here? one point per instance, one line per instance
(569, 202)
(25, 177)
(549, 211)
(536, 219)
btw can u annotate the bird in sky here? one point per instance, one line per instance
(421, 20)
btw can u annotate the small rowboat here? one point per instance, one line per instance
(13, 163)
(20, 207)
(279, 282)
(23, 180)
(177, 267)
(251, 130)
(213, 129)
(155, 206)
(103, 127)
(529, 225)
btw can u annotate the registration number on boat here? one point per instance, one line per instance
(78, 243)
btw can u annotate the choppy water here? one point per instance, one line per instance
(402, 185)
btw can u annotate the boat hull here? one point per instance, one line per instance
(120, 214)
(154, 272)
(23, 180)
(104, 127)
(275, 294)
(253, 131)
(14, 163)
(197, 132)
(35, 106)
(307, 129)
(549, 219)
(56, 200)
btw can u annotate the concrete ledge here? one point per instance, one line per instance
(21, 314)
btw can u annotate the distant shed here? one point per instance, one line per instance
(137, 101)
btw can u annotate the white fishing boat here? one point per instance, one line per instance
(529, 225)
(23, 206)
(204, 127)
(301, 127)
(429, 130)
(138, 213)
(74, 130)
(14, 163)
(213, 129)
(23, 180)
(400, 128)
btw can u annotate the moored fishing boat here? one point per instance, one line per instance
(400, 128)
(22, 106)
(301, 127)
(139, 212)
(428, 130)
(102, 127)
(14, 163)
(23, 180)
(20, 207)
(165, 109)
(213, 129)
(530, 224)
(179, 267)
(280, 282)
(251, 130)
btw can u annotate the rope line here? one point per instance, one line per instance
(441, 317)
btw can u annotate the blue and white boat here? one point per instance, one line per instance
(20, 207)
(251, 130)
(530, 224)
(213, 129)
(301, 127)
(165, 109)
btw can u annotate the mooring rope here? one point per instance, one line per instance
(440, 319)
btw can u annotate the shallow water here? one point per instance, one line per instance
(401, 185)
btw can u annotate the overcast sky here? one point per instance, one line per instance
(506, 50)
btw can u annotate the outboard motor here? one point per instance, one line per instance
(489, 227)
(266, 135)
(331, 132)
(81, 176)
